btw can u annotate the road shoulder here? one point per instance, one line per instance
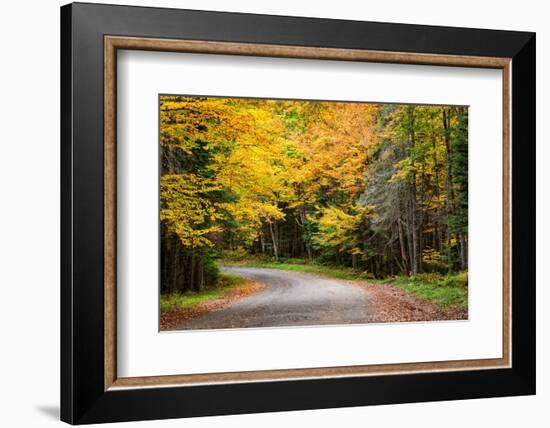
(175, 317)
(393, 304)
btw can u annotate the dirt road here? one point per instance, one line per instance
(288, 298)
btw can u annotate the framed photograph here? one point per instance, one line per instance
(266, 213)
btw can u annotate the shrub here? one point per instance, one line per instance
(235, 254)
(367, 275)
(428, 278)
(294, 261)
(457, 280)
(211, 271)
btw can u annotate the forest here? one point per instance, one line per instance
(378, 188)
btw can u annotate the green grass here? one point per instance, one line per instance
(291, 265)
(171, 301)
(445, 291)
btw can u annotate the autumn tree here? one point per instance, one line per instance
(377, 187)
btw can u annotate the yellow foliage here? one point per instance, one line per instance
(337, 228)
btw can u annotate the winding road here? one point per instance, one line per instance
(288, 299)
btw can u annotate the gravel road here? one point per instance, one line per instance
(288, 299)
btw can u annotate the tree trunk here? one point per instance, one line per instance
(199, 273)
(447, 136)
(308, 251)
(436, 215)
(402, 248)
(414, 235)
(463, 251)
(414, 220)
(274, 242)
(302, 221)
(409, 237)
(262, 242)
(449, 182)
(192, 272)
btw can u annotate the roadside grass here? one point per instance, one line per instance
(226, 283)
(297, 265)
(448, 292)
